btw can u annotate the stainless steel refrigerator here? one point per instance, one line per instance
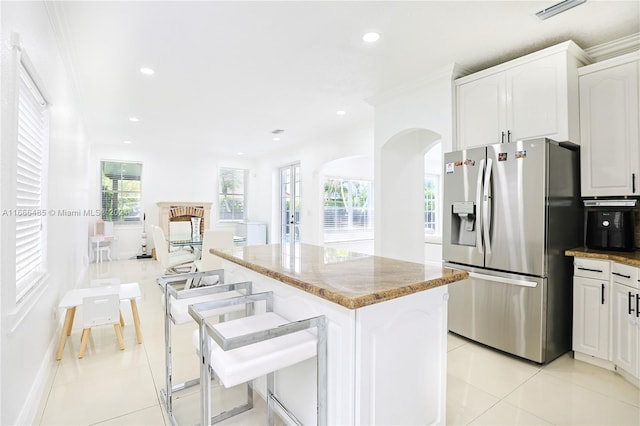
(510, 212)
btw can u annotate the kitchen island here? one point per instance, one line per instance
(387, 330)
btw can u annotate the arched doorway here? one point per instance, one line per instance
(400, 198)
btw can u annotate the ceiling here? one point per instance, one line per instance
(229, 73)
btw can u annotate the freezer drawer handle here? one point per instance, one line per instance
(522, 283)
(630, 299)
(602, 294)
(590, 270)
(621, 275)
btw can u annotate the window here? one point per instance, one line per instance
(232, 194)
(348, 209)
(433, 193)
(121, 191)
(431, 185)
(31, 177)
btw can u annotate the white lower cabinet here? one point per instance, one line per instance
(591, 317)
(591, 309)
(626, 320)
(606, 315)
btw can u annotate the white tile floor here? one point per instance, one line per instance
(112, 387)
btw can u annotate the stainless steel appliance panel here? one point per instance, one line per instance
(515, 207)
(463, 179)
(505, 311)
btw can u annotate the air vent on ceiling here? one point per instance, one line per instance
(558, 8)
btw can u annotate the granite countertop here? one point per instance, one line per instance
(350, 279)
(631, 258)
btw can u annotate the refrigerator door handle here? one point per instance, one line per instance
(522, 283)
(486, 199)
(478, 203)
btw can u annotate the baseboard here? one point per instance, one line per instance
(632, 379)
(33, 405)
(598, 362)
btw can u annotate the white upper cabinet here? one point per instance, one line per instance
(529, 97)
(610, 157)
(481, 115)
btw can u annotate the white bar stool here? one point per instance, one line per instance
(176, 302)
(244, 349)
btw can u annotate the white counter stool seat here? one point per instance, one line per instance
(241, 350)
(176, 302)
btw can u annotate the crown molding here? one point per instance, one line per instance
(614, 48)
(451, 71)
(58, 20)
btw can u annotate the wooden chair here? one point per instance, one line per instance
(100, 310)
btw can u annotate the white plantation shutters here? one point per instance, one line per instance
(31, 169)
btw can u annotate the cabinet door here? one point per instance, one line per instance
(610, 159)
(481, 117)
(625, 329)
(591, 306)
(537, 99)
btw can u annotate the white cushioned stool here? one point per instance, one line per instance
(244, 349)
(176, 303)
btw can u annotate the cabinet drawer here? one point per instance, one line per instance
(591, 268)
(625, 274)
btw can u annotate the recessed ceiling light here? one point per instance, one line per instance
(147, 71)
(134, 119)
(371, 37)
(240, 153)
(276, 139)
(341, 112)
(126, 142)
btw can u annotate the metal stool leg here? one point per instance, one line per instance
(171, 292)
(208, 334)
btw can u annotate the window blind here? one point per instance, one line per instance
(32, 155)
(121, 185)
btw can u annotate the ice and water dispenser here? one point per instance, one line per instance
(463, 223)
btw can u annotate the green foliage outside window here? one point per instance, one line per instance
(232, 194)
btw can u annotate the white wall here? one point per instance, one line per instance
(167, 175)
(178, 175)
(29, 330)
(313, 158)
(407, 122)
(358, 167)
